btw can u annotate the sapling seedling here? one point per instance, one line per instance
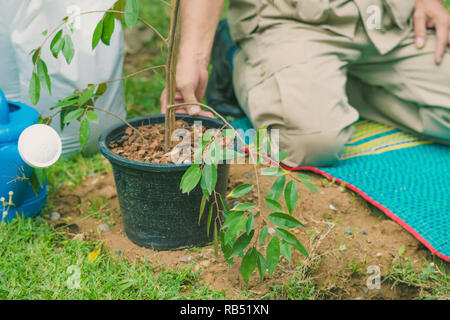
(235, 234)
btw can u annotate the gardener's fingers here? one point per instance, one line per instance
(420, 27)
(202, 84)
(206, 114)
(188, 93)
(448, 42)
(178, 99)
(442, 36)
(163, 101)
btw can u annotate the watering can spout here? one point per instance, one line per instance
(4, 109)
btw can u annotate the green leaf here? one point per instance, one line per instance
(250, 223)
(285, 249)
(92, 116)
(273, 205)
(108, 28)
(310, 186)
(204, 188)
(68, 50)
(243, 207)
(261, 263)
(34, 182)
(202, 209)
(119, 6)
(86, 95)
(85, 131)
(241, 243)
(234, 230)
(240, 191)
(263, 235)
(62, 115)
(280, 156)
(224, 203)
(303, 176)
(216, 241)
(57, 44)
(208, 227)
(44, 120)
(272, 172)
(277, 188)
(190, 178)
(291, 195)
(273, 254)
(68, 101)
(209, 177)
(260, 138)
(284, 220)
(214, 153)
(233, 218)
(97, 34)
(248, 264)
(35, 89)
(291, 239)
(131, 13)
(229, 133)
(102, 87)
(207, 136)
(226, 248)
(42, 73)
(41, 175)
(73, 115)
(36, 55)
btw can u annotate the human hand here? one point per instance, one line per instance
(192, 79)
(432, 14)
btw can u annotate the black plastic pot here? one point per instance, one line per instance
(155, 212)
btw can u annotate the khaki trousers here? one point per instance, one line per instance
(312, 84)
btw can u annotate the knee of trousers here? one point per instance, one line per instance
(316, 149)
(436, 123)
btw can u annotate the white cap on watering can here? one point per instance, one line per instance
(40, 146)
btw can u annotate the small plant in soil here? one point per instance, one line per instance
(232, 227)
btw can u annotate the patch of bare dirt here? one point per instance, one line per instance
(343, 234)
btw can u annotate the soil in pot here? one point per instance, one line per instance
(146, 143)
(156, 214)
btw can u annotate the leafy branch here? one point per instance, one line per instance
(237, 233)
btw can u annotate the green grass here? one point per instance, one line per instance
(35, 263)
(71, 172)
(294, 289)
(433, 282)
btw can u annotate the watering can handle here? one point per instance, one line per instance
(4, 109)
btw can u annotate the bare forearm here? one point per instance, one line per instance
(199, 19)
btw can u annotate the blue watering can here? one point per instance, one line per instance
(14, 173)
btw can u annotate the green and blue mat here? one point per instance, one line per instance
(405, 176)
